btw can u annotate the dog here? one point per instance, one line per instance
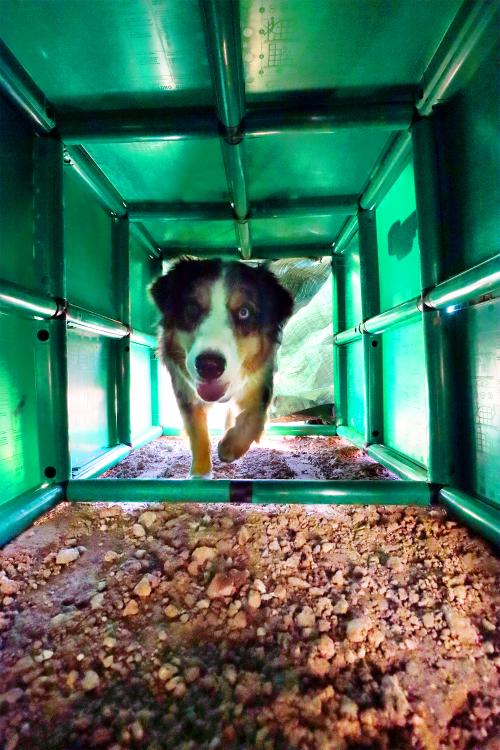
(221, 325)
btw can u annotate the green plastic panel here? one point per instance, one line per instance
(470, 190)
(111, 53)
(305, 164)
(355, 411)
(143, 270)
(296, 230)
(89, 251)
(186, 234)
(19, 456)
(353, 312)
(405, 401)
(91, 369)
(288, 44)
(185, 170)
(476, 339)
(16, 205)
(140, 389)
(397, 239)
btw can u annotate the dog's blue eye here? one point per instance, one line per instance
(243, 313)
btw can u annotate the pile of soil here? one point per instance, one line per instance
(187, 626)
(273, 458)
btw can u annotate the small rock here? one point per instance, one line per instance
(239, 621)
(110, 555)
(221, 585)
(460, 626)
(147, 518)
(317, 665)
(428, 620)
(358, 629)
(66, 556)
(201, 555)
(11, 696)
(111, 512)
(90, 680)
(298, 583)
(191, 674)
(338, 578)
(132, 608)
(171, 611)
(489, 626)
(327, 547)
(97, 601)
(394, 698)
(138, 531)
(395, 563)
(259, 586)
(326, 647)
(143, 588)
(137, 731)
(7, 586)
(341, 607)
(167, 671)
(254, 599)
(230, 674)
(348, 708)
(306, 618)
(243, 535)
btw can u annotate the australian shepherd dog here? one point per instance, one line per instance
(221, 324)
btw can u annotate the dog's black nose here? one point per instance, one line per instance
(210, 365)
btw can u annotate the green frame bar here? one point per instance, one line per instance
(95, 180)
(397, 463)
(348, 336)
(259, 492)
(441, 445)
(19, 300)
(285, 429)
(387, 171)
(121, 259)
(17, 85)
(403, 313)
(352, 435)
(372, 345)
(20, 512)
(78, 317)
(474, 512)
(339, 355)
(129, 126)
(102, 463)
(464, 287)
(147, 437)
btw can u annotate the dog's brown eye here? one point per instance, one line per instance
(192, 310)
(243, 313)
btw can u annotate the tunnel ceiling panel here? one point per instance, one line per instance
(108, 54)
(192, 234)
(292, 45)
(185, 170)
(294, 165)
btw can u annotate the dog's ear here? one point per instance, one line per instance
(161, 292)
(278, 302)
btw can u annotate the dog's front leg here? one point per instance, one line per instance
(195, 422)
(249, 424)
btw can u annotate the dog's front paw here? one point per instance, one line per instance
(207, 475)
(230, 447)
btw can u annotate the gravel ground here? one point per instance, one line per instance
(274, 458)
(188, 626)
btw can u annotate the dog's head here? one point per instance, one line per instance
(222, 321)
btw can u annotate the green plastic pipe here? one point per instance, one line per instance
(442, 442)
(259, 492)
(22, 511)
(352, 435)
(262, 252)
(95, 180)
(346, 234)
(139, 211)
(348, 336)
(132, 126)
(397, 463)
(317, 206)
(339, 355)
(147, 437)
(102, 463)
(145, 239)
(17, 85)
(372, 345)
(471, 284)
(403, 313)
(457, 48)
(387, 170)
(121, 260)
(263, 120)
(144, 339)
(285, 429)
(234, 165)
(477, 514)
(244, 240)
(17, 299)
(78, 317)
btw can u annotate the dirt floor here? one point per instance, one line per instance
(186, 626)
(274, 458)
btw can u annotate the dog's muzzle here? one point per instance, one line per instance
(209, 367)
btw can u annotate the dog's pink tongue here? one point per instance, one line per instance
(211, 391)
